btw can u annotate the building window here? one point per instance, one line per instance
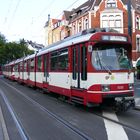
(118, 23)
(111, 4)
(105, 21)
(111, 21)
(137, 23)
(79, 27)
(86, 24)
(138, 44)
(74, 29)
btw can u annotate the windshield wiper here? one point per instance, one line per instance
(103, 65)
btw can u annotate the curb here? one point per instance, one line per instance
(3, 134)
(137, 103)
(137, 107)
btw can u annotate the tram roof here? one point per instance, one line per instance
(75, 39)
(67, 42)
(29, 57)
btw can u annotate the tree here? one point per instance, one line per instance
(2, 45)
(10, 51)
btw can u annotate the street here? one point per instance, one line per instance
(137, 93)
(30, 114)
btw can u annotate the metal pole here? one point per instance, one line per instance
(129, 18)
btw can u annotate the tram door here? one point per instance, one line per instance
(46, 64)
(79, 67)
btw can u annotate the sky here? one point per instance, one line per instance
(26, 18)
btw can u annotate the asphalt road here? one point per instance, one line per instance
(29, 114)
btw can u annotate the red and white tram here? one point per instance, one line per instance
(89, 68)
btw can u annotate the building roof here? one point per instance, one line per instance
(135, 3)
(82, 9)
(89, 5)
(66, 15)
(97, 2)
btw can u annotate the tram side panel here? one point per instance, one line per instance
(59, 74)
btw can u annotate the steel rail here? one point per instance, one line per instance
(114, 121)
(14, 116)
(53, 115)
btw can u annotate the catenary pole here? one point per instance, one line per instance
(129, 18)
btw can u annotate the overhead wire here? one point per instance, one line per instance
(41, 13)
(8, 11)
(67, 8)
(13, 15)
(49, 6)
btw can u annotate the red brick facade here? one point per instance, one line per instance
(105, 13)
(94, 18)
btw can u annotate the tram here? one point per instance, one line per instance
(91, 68)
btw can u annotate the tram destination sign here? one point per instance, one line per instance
(114, 38)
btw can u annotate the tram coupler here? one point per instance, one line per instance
(124, 103)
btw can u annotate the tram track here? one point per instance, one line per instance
(52, 115)
(15, 118)
(70, 126)
(136, 112)
(116, 122)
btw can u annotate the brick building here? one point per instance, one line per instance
(105, 14)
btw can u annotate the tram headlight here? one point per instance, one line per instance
(131, 86)
(105, 88)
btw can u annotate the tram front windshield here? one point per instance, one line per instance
(111, 58)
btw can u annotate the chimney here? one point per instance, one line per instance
(48, 17)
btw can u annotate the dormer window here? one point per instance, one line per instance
(111, 4)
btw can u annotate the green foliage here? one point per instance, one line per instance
(12, 50)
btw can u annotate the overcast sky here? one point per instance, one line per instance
(26, 18)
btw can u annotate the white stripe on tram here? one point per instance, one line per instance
(114, 131)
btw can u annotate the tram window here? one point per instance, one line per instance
(16, 68)
(45, 66)
(54, 60)
(84, 63)
(63, 60)
(39, 63)
(74, 63)
(21, 66)
(25, 66)
(32, 65)
(28, 67)
(59, 60)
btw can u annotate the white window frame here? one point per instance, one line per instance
(112, 3)
(86, 23)
(138, 43)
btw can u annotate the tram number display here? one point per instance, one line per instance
(114, 38)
